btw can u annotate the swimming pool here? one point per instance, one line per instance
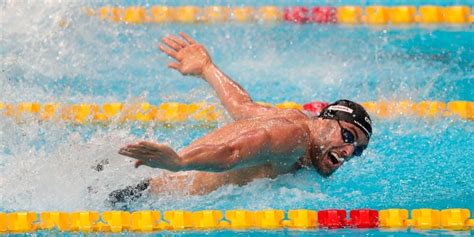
(55, 53)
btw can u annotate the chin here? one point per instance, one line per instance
(322, 170)
(321, 164)
(325, 173)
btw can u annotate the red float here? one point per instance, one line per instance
(323, 15)
(364, 218)
(332, 219)
(315, 108)
(296, 14)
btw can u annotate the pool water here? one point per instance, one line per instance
(411, 162)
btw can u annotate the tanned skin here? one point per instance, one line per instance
(262, 142)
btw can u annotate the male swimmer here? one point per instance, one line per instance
(262, 142)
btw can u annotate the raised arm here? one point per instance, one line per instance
(193, 59)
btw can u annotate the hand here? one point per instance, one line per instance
(153, 155)
(191, 57)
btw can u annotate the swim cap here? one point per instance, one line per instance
(351, 112)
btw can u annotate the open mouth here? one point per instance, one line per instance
(335, 159)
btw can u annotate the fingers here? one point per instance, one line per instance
(174, 45)
(132, 153)
(174, 65)
(171, 43)
(142, 144)
(147, 153)
(151, 145)
(136, 151)
(145, 143)
(148, 145)
(169, 52)
(144, 149)
(140, 151)
(129, 154)
(142, 159)
(187, 38)
(178, 41)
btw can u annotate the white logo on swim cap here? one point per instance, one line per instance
(341, 108)
(368, 120)
(365, 129)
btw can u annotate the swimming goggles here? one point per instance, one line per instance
(349, 138)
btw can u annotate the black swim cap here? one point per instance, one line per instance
(351, 112)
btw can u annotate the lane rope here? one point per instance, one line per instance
(347, 15)
(173, 112)
(179, 220)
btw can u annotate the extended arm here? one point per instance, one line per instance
(193, 59)
(252, 148)
(247, 150)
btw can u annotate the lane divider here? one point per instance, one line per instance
(371, 15)
(112, 112)
(172, 112)
(178, 220)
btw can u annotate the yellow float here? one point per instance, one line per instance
(186, 14)
(349, 14)
(376, 15)
(456, 14)
(402, 14)
(243, 14)
(425, 218)
(161, 14)
(430, 15)
(135, 15)
(269, 13)
(215, 14)
(393, 218)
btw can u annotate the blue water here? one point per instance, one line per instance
(410, 163)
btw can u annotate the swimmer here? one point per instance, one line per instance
(262, 142)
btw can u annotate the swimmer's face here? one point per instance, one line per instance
(333, 151)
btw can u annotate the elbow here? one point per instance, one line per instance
(225, 158)
(231, 160)
(248, 150)
(239, 109)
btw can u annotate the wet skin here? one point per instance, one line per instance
(262, 142)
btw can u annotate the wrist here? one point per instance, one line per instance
(208, 70)
(182, 165)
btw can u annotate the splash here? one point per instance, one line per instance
(53, 52)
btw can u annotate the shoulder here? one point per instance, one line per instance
(288, 120)
(289, 132)
(292, 114)
(295, 119)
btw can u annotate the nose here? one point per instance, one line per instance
(347, 150)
